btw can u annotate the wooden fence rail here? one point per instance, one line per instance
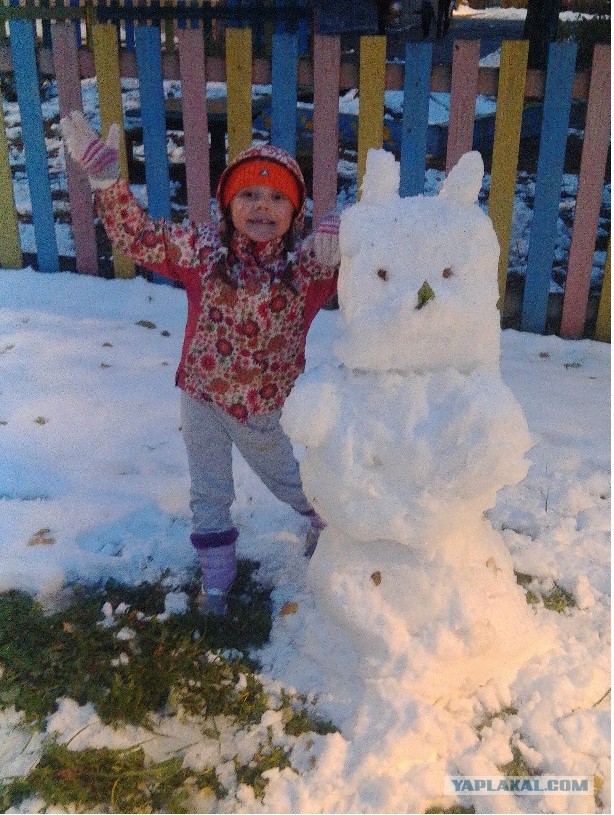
(325, 76)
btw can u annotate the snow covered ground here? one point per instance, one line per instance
(90, 451)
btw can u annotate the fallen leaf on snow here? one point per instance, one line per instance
(42, 538)
(288, 608)
(376, 577)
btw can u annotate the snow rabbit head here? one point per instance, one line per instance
(418, 280)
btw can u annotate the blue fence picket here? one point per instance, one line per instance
(46, 26)
(300, 27)
(281, 26)
(550, 166)
(129, 29)
(182, 22)
(416, 96)
(284, 79)
(151, 93)
(76, 24)
(238, 21)
(303, 32)
(22, 39)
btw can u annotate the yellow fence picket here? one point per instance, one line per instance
(239, 89)
(603, 327)
(106, 59)
(510, 99)
(371, 87)
(10, 247)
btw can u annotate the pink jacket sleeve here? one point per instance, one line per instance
(322, 279)
(169, 249)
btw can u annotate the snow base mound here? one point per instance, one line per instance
(443, 628)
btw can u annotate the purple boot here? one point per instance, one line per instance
(313, 534)
(218, 563)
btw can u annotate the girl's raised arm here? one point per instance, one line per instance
(166, 248)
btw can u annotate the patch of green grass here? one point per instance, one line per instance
(115, 780)
(267, 757)
(303, 722)
(209, 686)
(558, 600)
(499, 714)
(524, 579)
(186, 663)
(517, 766)
(598, 787)
(71, 654)
(298, 720)
(455, 808)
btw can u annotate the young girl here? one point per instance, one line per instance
(253, 292)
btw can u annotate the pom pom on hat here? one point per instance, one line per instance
(261, 171)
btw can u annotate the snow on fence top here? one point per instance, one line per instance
(325, 76)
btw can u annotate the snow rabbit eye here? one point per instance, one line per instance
(382, 273)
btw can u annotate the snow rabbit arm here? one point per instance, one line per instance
(97, 158)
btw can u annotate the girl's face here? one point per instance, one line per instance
(261, 213)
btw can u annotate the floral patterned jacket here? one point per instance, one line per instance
(245, 337)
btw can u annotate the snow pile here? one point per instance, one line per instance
(408, 442)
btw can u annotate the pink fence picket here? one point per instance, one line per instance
(588, 203)
(79, 194)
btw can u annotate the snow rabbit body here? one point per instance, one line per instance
(409, 435)
(413, 430)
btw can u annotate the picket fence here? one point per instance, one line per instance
(325, 75)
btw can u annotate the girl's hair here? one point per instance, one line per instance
(222, 266)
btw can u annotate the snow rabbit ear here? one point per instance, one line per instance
(381, 178)
(464, 181)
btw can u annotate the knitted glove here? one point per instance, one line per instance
(324, 242)
(97, 158)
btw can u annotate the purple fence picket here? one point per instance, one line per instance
(465, 63)
(327, 65)
(590, 192)
(195, 124)
(79, 194)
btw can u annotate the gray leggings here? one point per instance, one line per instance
(209, 433)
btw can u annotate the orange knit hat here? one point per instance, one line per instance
(261, 171)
